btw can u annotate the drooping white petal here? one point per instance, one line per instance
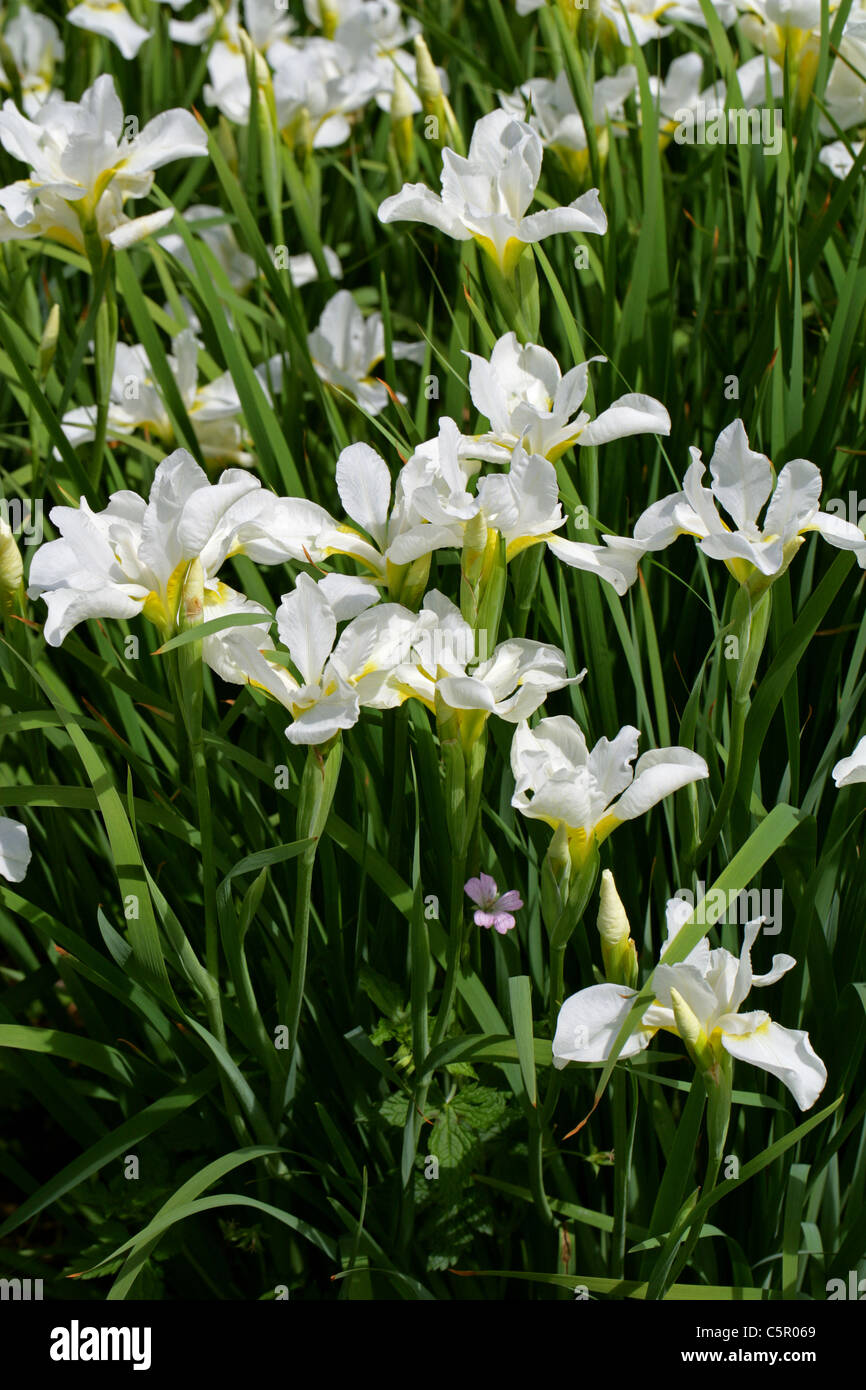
(853, 768)
(838, 158)
(841, 533)
(615, 562)
(15, 851)
(113, 22)
(661, 523)
(657, 774)
(630, 415)
(784, 1052)
(767, 556)
(585, 214)
(781, 965)
(588, 1024)
(68, 607)
(465, 692)
(325, 718)
(417, 203)
(230, 652)
(423, 540)
(135, 229)
(171, 135)
(192, 31)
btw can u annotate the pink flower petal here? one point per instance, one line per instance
(510, 901)
(489, 888)
(474, 889)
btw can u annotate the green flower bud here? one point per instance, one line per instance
(617, 948)
(407, 584)
(441, 123)
(10, 68)
(11, 564)
(555, 878)
(402, 132)
(227, 144)
(330, 19)
(48, 341)
(192, 597)
(693, 1035)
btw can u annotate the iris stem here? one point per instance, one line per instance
(202, 789)
(300, 946)
(455, 950)
(103, 309)
(750, 622)
(536, 1170)
(557, 985)
(318, 785)
(622, 1163)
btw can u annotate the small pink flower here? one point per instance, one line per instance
(493, 910)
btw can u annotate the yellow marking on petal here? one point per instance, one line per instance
(409, 693)
(153, 609)
(162, 609)
(471, 724)
(521, 543)
(511, 252)
(65, 238)
(370, 669)
(559, 449)
(212, 597)
(361, 559)
(741, 570)
(606, 826)
(102, 183)
(579, 844)
(576, 162)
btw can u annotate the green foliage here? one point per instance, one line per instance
(184, 904)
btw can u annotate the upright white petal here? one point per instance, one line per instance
(364, 485)
(349, 595)
(742, 478)
(307, 626)
(795, 500)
